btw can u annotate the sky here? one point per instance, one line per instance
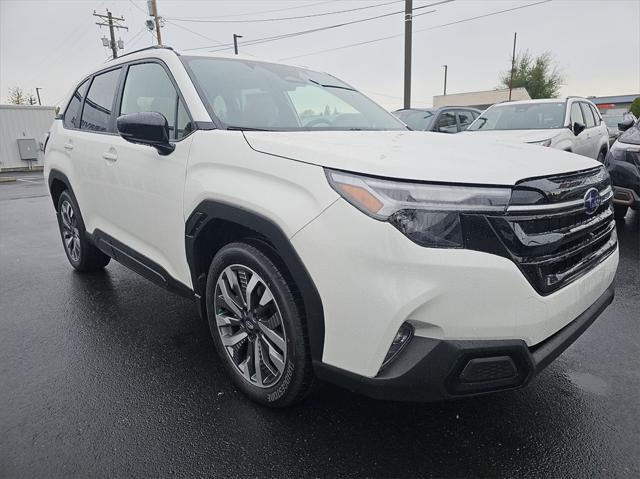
(595, 43)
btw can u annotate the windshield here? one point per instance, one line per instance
(522, 116)
(264, 96)
(419, 120)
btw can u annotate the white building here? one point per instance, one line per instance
(480, 99)
(22, 132)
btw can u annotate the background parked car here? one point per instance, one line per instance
(623, 164)
(444, 120)
(573, 124)
(612, 119)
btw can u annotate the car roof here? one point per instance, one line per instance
(439, 108)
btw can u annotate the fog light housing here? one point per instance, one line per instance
(402, 338)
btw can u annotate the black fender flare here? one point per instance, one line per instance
(210, 210)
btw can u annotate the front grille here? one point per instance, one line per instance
(557, 241)
(547, 231)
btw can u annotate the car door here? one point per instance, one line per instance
(465, 118)
(580, 142)
(446, 122)
(590, 130)
(145, 208)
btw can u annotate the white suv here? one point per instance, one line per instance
(574, 125)
(320, 237)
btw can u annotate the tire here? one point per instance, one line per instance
(82, 255)
(619, 212)
(266, 323)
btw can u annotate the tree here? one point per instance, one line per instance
(32, 99)
(538, 75)
(635, 107)
(16, 96)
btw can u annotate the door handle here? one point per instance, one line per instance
(110, 156)
(68, 146)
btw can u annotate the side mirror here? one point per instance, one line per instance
(578, 128)
(146, 128)
(625, 124)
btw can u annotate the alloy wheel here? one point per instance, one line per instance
(70, 231)
(250, 325)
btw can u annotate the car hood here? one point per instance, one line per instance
(419, 156)
(519, 136)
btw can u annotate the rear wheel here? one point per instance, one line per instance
(619, 212)
(82, 255)
(257, 326)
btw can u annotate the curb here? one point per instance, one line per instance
(7, 180)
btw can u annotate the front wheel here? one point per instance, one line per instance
(257, 326)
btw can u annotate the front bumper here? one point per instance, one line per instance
(432, 369)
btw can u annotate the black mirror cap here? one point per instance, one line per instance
(625, 124)
(146, 128)
(578, 128)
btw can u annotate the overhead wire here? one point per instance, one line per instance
(280, 19)
(366, 42)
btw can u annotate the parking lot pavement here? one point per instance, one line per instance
(109, 375)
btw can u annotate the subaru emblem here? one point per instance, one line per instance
(592, 201)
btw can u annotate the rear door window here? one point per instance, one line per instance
(588, 115)
(98, 107)
(596, 114)
(74, 110)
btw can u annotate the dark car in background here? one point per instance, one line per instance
(612, 120)
(623, 164)
(444, 120)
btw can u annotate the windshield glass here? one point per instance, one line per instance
(523, 116)
(418, 120)
(255, 95)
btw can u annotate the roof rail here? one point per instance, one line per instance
(152, 47)
(574, 96)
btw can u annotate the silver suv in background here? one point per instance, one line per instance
(573, 124)
(447, 119)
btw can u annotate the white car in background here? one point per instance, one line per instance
(573, 124)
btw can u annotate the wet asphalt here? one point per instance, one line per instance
(107, 375)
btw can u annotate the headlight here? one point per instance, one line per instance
(541, 143)
(428, 214)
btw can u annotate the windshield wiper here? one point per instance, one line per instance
(246, 128)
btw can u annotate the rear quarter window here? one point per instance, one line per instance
(74, 109)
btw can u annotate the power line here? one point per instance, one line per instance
(269, 11)
(194, 32)
(366, 42)
(257, 41)
(312, 15)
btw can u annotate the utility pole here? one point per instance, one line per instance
(513, 64)
(152, 5)
(38, 94)
(408, 7)
(445, 79)
(112, 26)
(235, 42)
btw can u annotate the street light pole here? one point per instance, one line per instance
(445, 79)
(38, 94)
(513, 64)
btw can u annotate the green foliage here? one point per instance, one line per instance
(538, 75)
(635, 107)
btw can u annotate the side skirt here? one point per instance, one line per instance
(139, 263)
